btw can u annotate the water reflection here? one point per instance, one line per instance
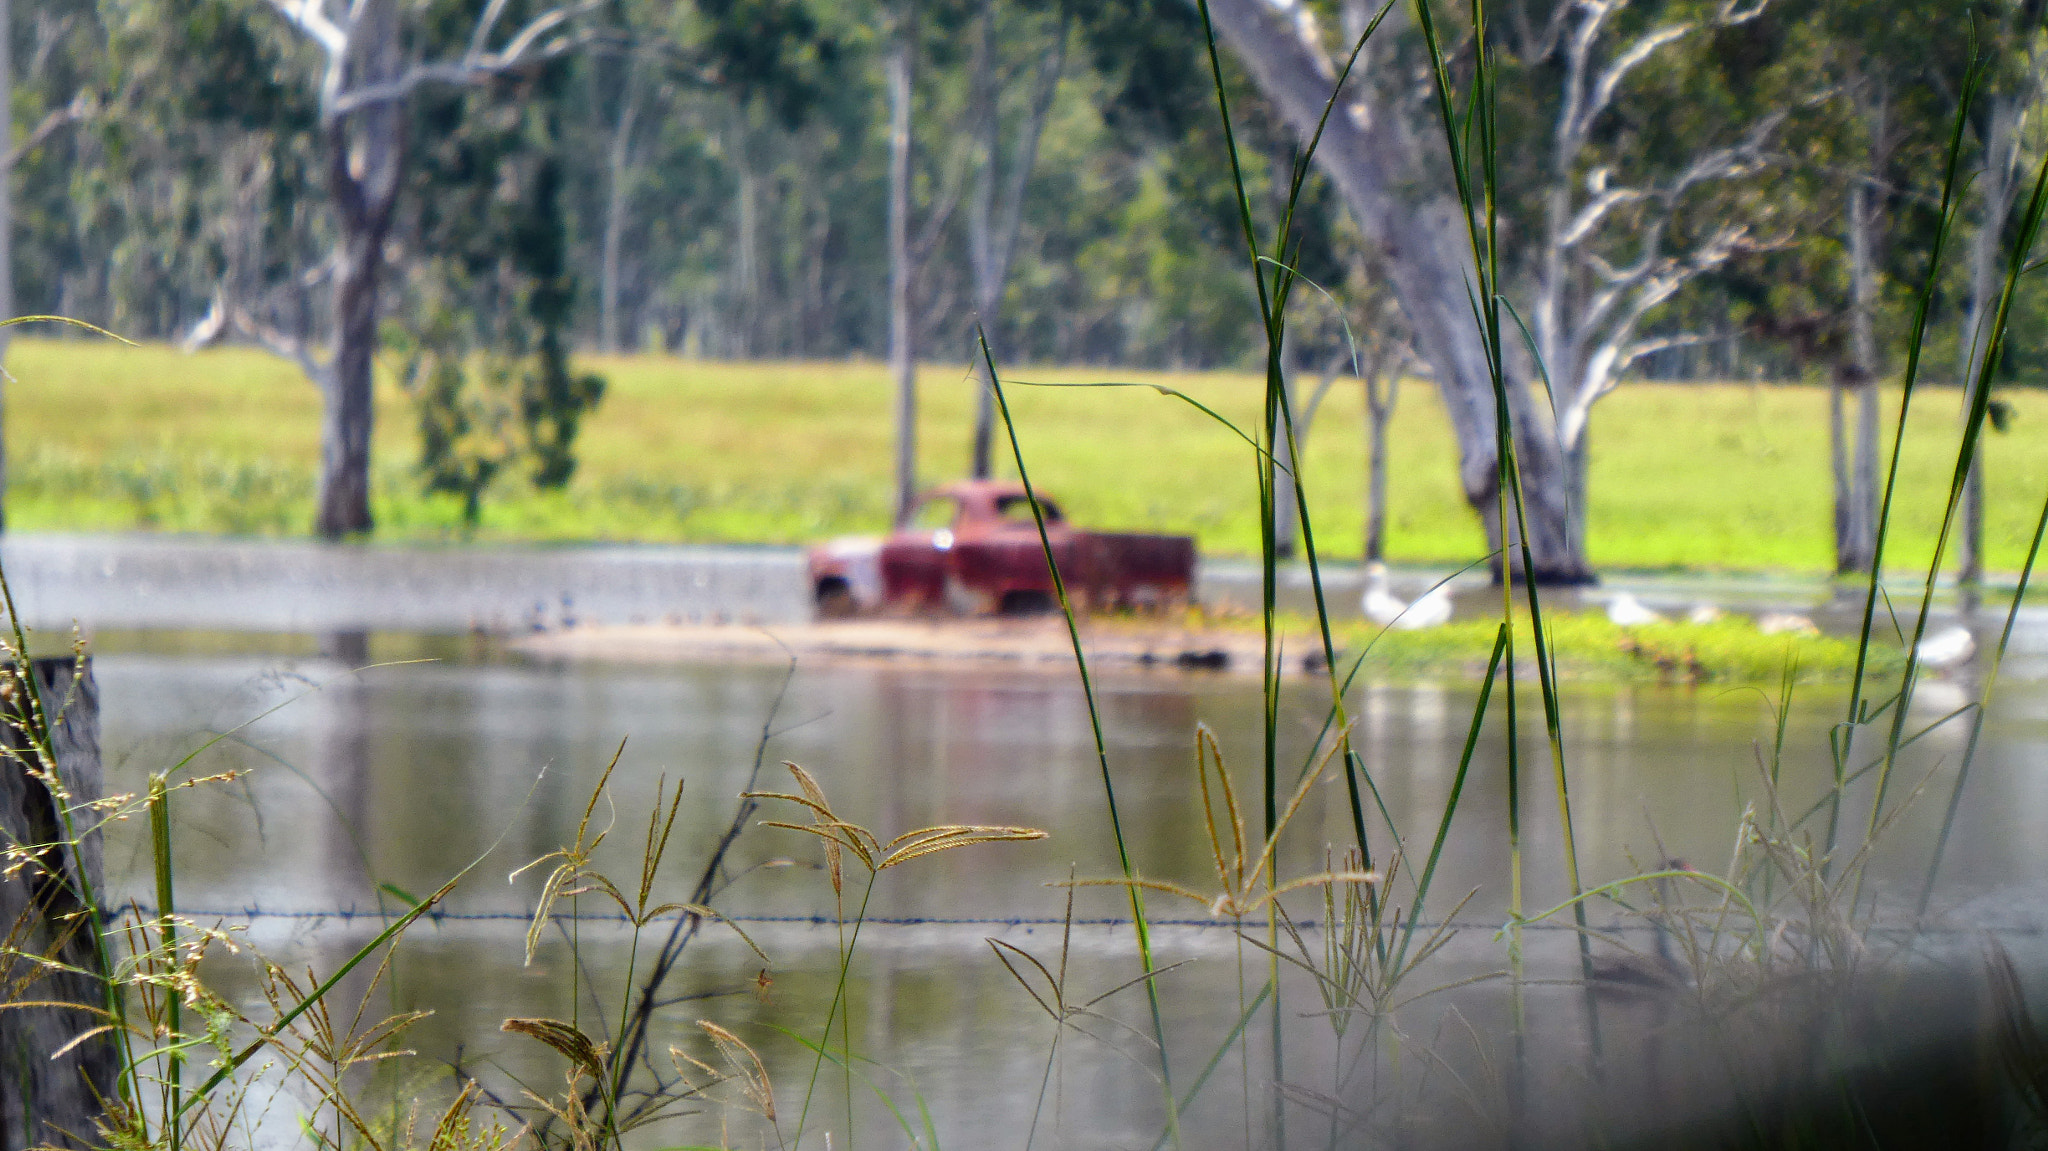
(395, 777)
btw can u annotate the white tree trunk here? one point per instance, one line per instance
(1838, 457)
(1422, 244)
(902, 353)
(365, 87)
(1996, 185)
(1856, 545)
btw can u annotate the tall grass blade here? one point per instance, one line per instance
(1116, 826)
(1950, 206)
(1424, 881)
(167, 928)
(1973, 427)
(1279, 420)
(1476, 137)
(1244, 1019)
(1955, 798)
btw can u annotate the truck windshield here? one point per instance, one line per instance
(1018, 508)
(934, 513)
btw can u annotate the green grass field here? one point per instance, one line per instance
(103, 437)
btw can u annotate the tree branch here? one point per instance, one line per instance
(1590, 215)
(1619, 68)
(224, 320)
(526, 48)
(80, 107)
(1641, 348)
(310, 17)
(950, 185)
(1647, 287)
(1732, 13)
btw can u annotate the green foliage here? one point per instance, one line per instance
(484, 339)
(483, 411)
(1588, 646)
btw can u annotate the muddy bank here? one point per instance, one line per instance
(1041, 642)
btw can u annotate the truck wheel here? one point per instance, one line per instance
(835, 600)
(1027, 603)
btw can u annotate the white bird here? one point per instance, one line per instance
(1950, 647)
(1628, 611)
(1703, 613)
(1388, 610)
(1432, 610)
(1780, 622)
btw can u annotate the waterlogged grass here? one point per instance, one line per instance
(108, 438)
(1588, 645)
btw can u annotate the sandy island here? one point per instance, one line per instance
(1036, 642)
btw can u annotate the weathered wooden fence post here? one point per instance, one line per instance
(46, 1102)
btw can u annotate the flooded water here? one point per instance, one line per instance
(392, 779)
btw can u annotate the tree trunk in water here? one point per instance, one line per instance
(47, 1101)
(902, 355)
(1422, 245)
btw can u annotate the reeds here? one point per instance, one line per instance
(1789, 900)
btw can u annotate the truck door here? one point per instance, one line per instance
(914, 558)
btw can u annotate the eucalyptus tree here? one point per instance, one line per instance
(488, 294)
(370, 59)
(996, 203)
(1616, 219)
(1883, 122)
(702, 113)
(1398, 196)
(620, 171)
(1892, 72)
(2011, 105)
(1631, 210)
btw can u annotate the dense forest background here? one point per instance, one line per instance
(718, 171)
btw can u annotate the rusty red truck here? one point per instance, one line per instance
(972, 548)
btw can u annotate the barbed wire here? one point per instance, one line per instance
(253, 914)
